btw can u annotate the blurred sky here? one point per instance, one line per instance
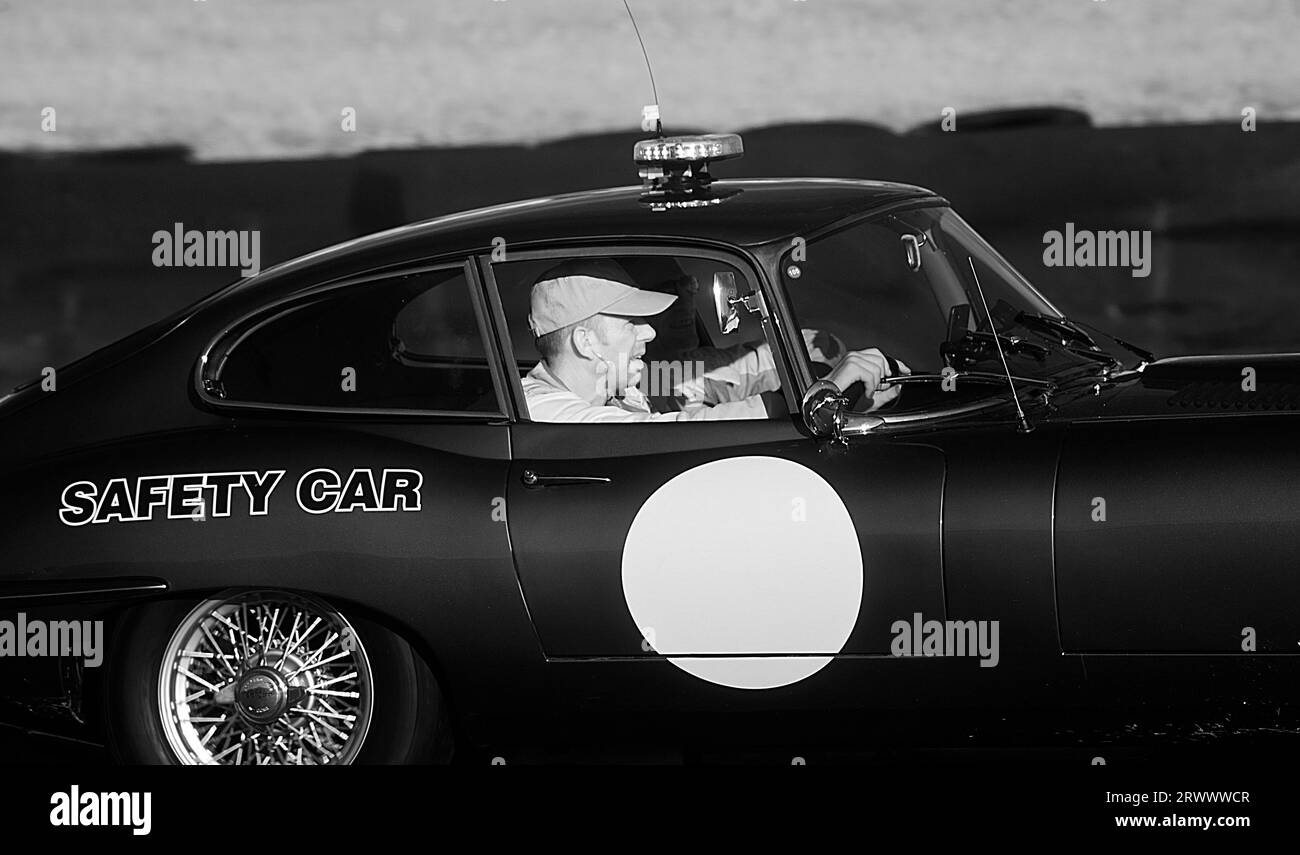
(268, 78)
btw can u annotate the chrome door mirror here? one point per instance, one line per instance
(825, 412)
(821, 408)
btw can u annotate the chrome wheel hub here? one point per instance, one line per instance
(262, 696)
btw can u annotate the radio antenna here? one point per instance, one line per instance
(1024, 423)
(659, 126)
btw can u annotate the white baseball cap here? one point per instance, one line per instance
(576, 290)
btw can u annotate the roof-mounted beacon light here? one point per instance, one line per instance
(683, 162)
(675, 170)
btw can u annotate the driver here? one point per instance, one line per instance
(589, 322)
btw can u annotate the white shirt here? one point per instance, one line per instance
(731, 381)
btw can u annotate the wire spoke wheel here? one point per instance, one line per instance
(265, 678)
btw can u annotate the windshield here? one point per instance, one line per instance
(903, 283)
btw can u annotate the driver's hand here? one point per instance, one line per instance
(871, 367)
(888, 391)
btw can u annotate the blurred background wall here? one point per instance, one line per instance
(227, 114)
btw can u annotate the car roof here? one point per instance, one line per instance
(764, 210)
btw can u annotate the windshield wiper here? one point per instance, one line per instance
(1012, 343)
(1062, 326)
(1062, 332)
(1146, 356)
(1073, 330)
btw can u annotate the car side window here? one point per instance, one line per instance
(686, 338)
(407, 342)
(683, 326)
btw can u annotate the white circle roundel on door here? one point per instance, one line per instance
(744, 572)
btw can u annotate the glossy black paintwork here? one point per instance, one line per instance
(1200, 537)
(523, 620)
(1196, 387)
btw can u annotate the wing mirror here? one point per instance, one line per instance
(825, 412)
(726, 299)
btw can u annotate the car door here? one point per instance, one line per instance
(725, 545)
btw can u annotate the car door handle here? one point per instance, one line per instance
(533, 479)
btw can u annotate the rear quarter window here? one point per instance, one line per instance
(407, 342)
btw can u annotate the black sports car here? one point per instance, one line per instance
(321, 527)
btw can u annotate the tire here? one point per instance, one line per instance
(390, 709)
